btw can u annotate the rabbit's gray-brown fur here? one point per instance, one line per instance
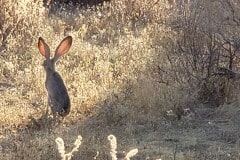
(58, 97)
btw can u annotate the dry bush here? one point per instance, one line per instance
(204, 41)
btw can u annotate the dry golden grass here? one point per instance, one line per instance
(91, 72)
(111, 73)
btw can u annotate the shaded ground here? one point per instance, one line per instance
(211, 134)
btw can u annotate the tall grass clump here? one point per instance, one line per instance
(61, 148)
(113, 149)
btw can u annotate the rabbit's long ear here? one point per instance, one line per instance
(43, 48)
(63, 47)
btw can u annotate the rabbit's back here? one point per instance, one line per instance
(58, 94)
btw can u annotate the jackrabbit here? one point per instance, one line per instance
(58, 97)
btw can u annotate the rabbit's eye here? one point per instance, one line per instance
(62, 111)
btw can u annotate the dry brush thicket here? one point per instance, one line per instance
(127, 57)
(113, 49)
(205, 52)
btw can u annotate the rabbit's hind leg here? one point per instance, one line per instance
(49, 105)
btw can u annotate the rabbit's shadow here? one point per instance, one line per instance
(46, 121)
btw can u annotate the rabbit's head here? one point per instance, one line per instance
(63, 47)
